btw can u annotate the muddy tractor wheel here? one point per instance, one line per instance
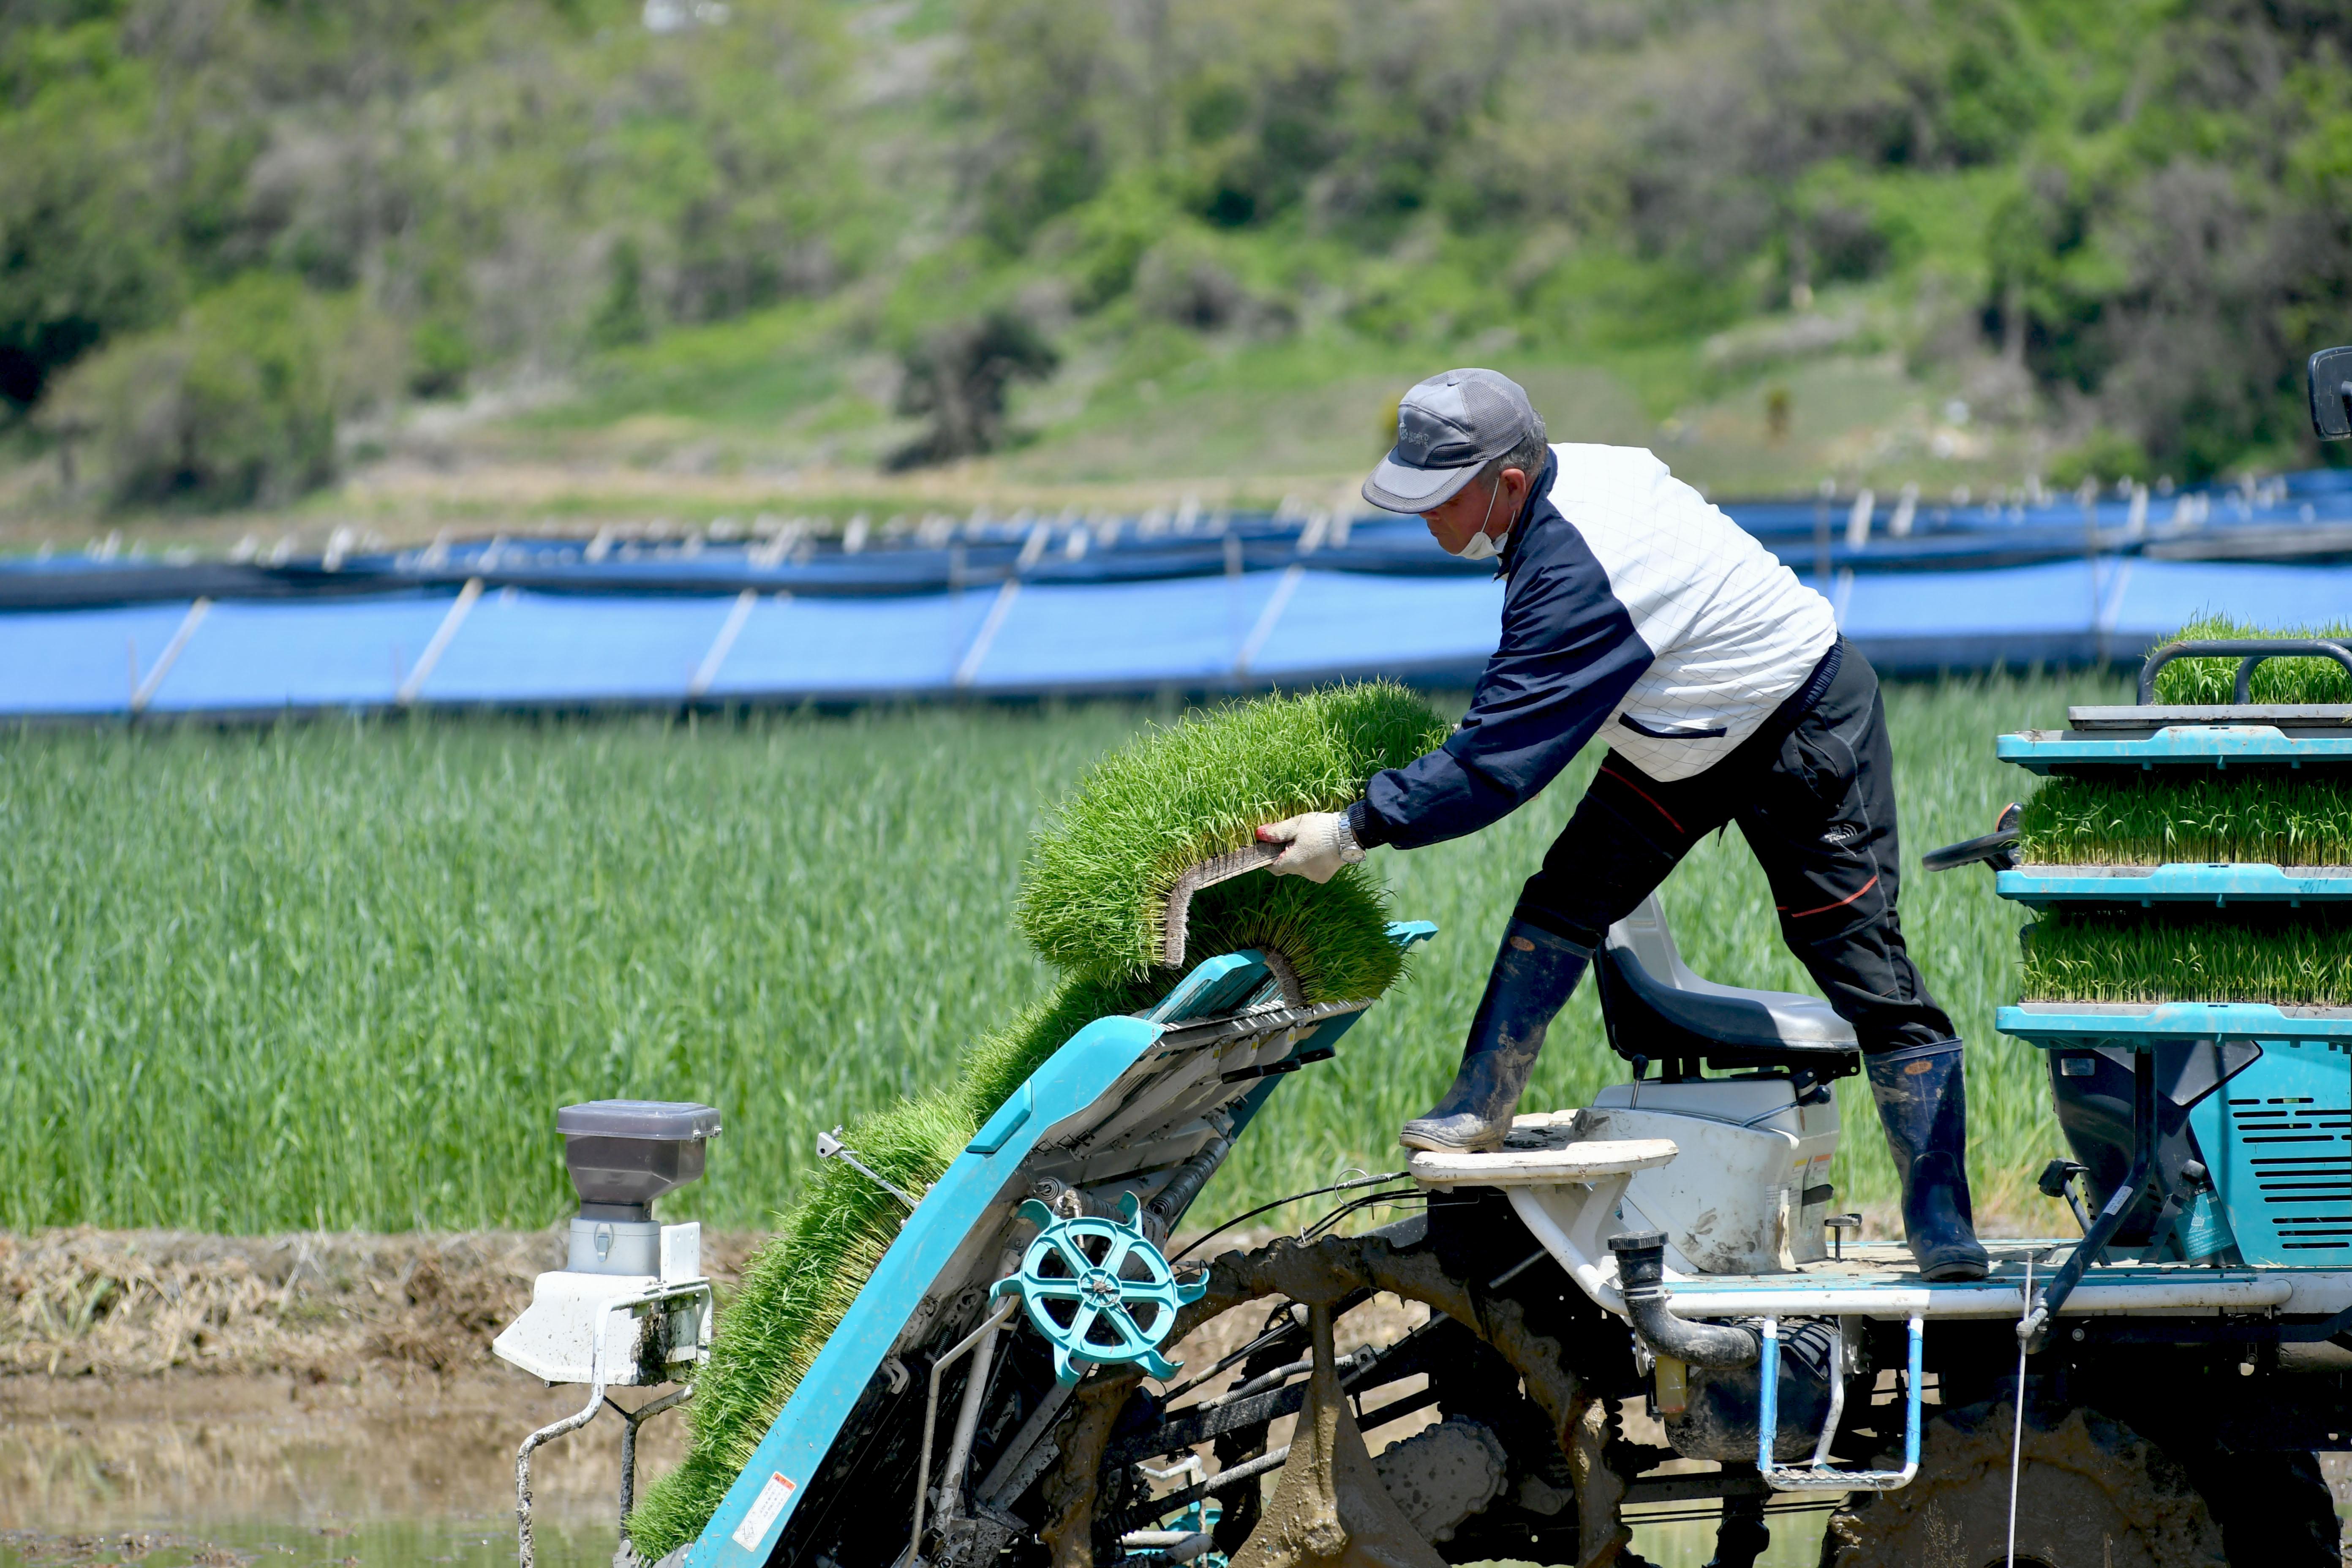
(2276, 1509)
(2090, 1493)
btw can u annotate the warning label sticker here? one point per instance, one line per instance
(764, 1509)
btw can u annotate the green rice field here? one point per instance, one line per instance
(340, 974)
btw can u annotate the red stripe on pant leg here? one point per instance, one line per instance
(1801, 914)
(1661, 810)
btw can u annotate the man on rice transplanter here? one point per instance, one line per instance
(1632, 608)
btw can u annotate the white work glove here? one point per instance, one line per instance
(1319, 844)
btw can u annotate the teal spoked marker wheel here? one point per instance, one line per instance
(1099, 1291)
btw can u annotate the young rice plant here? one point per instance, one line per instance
(2295, 682)
(2288, 960)
(2265, 815)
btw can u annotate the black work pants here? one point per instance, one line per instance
(1816, 799)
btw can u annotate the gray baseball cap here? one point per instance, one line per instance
(1448, 427)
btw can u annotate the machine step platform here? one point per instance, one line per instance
(1584, 1161)
(1880, 1281)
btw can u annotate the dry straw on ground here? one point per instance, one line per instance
(134, 1303)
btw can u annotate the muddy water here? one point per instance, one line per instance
(471, 1545)
(176, 1471)
(282, 1470)
(329, 1399)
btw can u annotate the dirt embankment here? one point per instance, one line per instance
(324, 1308)
(314, 1382)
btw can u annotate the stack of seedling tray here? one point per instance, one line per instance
(2188, 858)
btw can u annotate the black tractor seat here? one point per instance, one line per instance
(1657, 1010)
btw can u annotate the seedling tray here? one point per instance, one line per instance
(2184, 737)
(2062, 1026)
(2217, 884)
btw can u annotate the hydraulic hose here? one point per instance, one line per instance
(1642, 1280)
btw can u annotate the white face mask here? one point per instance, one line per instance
(1482, 546)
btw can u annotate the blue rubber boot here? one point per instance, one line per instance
(1534, 974)
(1924, 1105)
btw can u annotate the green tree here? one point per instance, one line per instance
(958, 378)
(1041, 91)
(85, 233)
(238, 402)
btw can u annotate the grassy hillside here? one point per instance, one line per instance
(423, 263)
(341, 976)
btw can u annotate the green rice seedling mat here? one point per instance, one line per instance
(2282, 958)
(2277, 682)
(1095, 891)
(2271, 817)
(2298, 715)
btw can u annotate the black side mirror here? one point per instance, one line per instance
(2331, 393)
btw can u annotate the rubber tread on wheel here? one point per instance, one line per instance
(2092, 1493)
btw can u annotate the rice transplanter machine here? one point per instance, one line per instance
(1648, 1307)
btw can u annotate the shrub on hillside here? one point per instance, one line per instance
(87, 230)
(958, 378)
(235, 403)
(2103, 454)
(1184, 279)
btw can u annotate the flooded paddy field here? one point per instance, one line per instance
(195, 1469)
(254, 1472)
(169, 1398)
(174, 1400)
(328, 1443)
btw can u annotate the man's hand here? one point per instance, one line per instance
(1319, 844)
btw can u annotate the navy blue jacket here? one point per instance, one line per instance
(1640, 608)
(1569, 655)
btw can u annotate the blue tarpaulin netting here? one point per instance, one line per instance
(515, 646)
(1029, 605)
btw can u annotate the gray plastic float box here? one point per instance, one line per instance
(623, 1154)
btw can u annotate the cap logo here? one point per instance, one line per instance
(1429, 440)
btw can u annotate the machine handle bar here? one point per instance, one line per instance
(1997, 848)
(2248, 651)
